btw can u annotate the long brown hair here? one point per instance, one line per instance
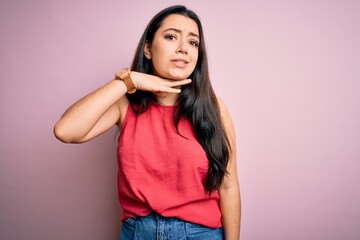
(197, 101)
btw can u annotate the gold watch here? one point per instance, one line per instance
(125, 76)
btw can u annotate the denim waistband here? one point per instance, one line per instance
(155, 226)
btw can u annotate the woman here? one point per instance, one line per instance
(176, 152)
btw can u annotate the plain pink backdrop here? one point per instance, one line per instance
(289, 72)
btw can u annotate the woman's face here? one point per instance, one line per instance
(175, 48)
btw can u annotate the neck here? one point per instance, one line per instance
(167, 100)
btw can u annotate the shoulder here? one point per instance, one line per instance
(222, 107)
(225, 116)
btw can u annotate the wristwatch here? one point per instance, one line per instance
(125, 76)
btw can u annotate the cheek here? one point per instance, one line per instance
(194, 53)
(158, 55)
(158, 62)
(195, 58)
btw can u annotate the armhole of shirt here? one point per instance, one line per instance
(118, 122)
(127, 112)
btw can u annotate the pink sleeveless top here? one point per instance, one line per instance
(161, 171)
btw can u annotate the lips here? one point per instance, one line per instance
(179, 62)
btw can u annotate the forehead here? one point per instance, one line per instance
(180, 22)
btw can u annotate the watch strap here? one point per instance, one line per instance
(125, 76)
(129, 84)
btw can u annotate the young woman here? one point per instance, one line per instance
(176, 150)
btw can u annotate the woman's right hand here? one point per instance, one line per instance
(100, 110)
(151, 83)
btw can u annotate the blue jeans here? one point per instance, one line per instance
(156, 227)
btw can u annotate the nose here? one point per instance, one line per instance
(182, 48)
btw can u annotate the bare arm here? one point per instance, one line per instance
(100, 110)
(229, 189)
(91, 115)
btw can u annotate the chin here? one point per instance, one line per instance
(175, 78)
(178, 75)
(174, 74)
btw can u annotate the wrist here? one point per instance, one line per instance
(120, 84)
(124, 75)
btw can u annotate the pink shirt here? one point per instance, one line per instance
(161, 171)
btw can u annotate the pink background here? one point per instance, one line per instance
(289, 72)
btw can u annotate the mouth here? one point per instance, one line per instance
(181, 63)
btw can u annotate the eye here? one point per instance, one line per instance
(194, 43)
(170, 36)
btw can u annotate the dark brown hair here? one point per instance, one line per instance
(197, 101)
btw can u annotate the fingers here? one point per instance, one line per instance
(179, 82)
(166, 89)
(155, 84)
(163, 86)
(175, 86)
(172, 86)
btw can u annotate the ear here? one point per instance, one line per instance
(147, 51)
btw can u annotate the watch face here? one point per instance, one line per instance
(123, 73)
(131, 91)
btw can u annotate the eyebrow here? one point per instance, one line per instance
(179, 31)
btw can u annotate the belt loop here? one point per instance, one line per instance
(160, 226)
